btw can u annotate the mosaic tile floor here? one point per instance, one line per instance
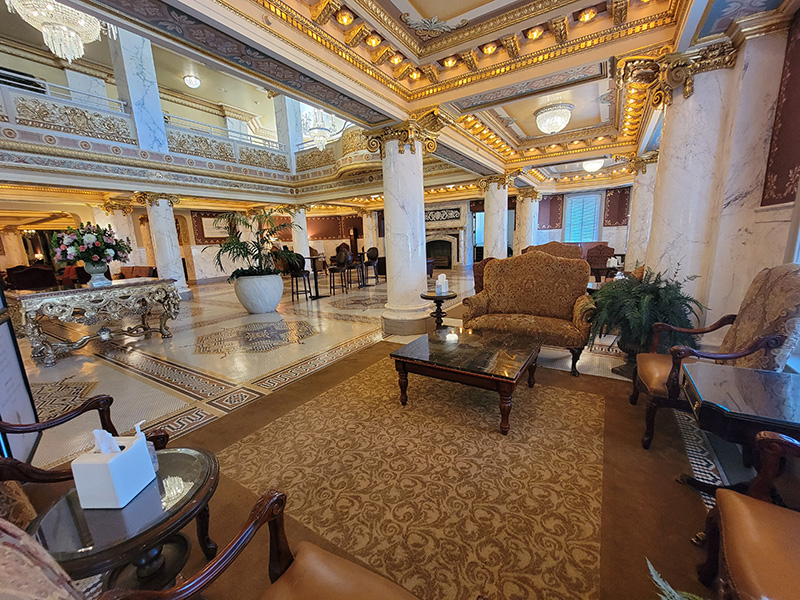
(219, 359)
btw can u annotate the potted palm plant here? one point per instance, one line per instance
(628, 308)
(258, 284)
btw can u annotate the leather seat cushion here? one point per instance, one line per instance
(653, 370)
(319, 575)
(554, 332)
(761, 546)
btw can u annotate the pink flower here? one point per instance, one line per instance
(95, 258)
(82, 248)
(97, 243)
(62, 247)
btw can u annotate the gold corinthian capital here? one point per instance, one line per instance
(423, 127)
(502, 180)
(153, 198)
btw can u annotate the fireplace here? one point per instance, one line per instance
(443, 250)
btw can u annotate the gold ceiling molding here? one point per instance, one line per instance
(381, 54)
(356, 34)
(470, 59)
(322, 11)
(236, 113)
(511, 44)
(637, 163)
(153, 198)
(37, 188)
(111, 205)
(431, 72)
(527, 193)
(558, 26)
(619, 11)
(568, 152)
(503, 180)
(758, 24)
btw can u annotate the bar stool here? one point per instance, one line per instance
(352, 265)
(338, 265)
(297, 271)
(372, 261)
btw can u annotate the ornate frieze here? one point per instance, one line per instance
(111, 205)
(470, 59)
(32, 112)
(558, 26)
(637, 163)
(265, 159)
(442, 214)
(502, 180)
(381, 54)
(353, 140)
(431, 72)
(511, 44)
(199, 145)
(619, 10)
(314, 159)
(322, 11)
(153, 198)
(431, 28)
(356, 34)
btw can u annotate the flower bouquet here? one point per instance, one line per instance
(92, 244)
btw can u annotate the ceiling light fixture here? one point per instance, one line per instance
(489, 48)
(594, 165)
(318, 125)
(534, 33)
(373, 40)
(344, 17)
(587, 14)
(414, 74)
(192, 81)
(64, 29)
(450, 62)
(396, 59)
(553, 118)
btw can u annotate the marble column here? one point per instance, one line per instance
(137, 86)
(640, 217)
(123, 226)
(495, 220)
(288, 124)
(404, 212)
(369, 221)
(749, 238)
(166, 248)
(300, 233)
(686, 205)
(527, 219)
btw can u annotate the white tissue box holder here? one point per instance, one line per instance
(111, 480)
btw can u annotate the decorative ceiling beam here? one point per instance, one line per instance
(322, 11)
(469, 59)
(511, 44)
(619, 11)
(558, 26)
(382, 54)
(403, 70)
(356, 34)
(431, 72)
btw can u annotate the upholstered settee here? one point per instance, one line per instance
(556, 249)
(535, 294)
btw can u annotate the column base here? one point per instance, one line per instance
(185, 293)
(406, 322)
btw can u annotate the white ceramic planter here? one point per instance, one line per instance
(97, 271)
(259, 294)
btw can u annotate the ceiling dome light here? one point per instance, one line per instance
(414, 74)
(450, 61)
(552, 119)
(587, 14)
(396, 59)
(534, 33)
(64, 30)
(489, 48)
(345, 17)
(192, 81)
(594, 165)
(373, 40)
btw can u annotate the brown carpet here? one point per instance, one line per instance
(643, 512)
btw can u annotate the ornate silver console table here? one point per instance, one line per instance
(91, 306)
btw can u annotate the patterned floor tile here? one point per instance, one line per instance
(254, 337)
(235, 399)
(53, 399)
(184, 421)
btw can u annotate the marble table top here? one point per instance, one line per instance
(494, 353)
(55, 292)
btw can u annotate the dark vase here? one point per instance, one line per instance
(630, 350)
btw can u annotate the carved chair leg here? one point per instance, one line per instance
(650, 422)
(708, 570)
(634, 397)
(576, 354)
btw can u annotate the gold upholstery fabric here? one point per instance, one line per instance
(760, 547)
(15, 505)
(319, 575)
(771, 305)
(556, 249)
(28, 572)
(534, 294)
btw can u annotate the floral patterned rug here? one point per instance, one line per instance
(431, 495)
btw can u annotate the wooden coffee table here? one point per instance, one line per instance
(490, 360)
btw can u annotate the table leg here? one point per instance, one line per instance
(505, 411)
(206, 543)
(439, 314)
(532, 375)
(41, 349)
(403, 381)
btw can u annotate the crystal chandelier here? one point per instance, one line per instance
(64, 29)
(553, 118)
(318, 125)
(593, 165)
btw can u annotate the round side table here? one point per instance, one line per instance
(438, 300)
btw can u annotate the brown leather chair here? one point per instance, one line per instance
(762, 336)
(559, 249)
(477, 272)
(338, 266)
(312, 574)
(371, 261)
(753, 545)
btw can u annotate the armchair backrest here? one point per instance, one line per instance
(770, 306)
(536, 283)
(598, 255)
(372, 254)
(478, 269)
(556, 249)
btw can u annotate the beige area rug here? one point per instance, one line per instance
(431, 495)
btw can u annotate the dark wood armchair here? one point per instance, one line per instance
(752, 544)
(311, 573)
(762, 336)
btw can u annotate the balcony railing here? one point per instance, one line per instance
(221, 132)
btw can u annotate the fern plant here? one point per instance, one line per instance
(256, 253)
(629, 307)
(667, 592)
